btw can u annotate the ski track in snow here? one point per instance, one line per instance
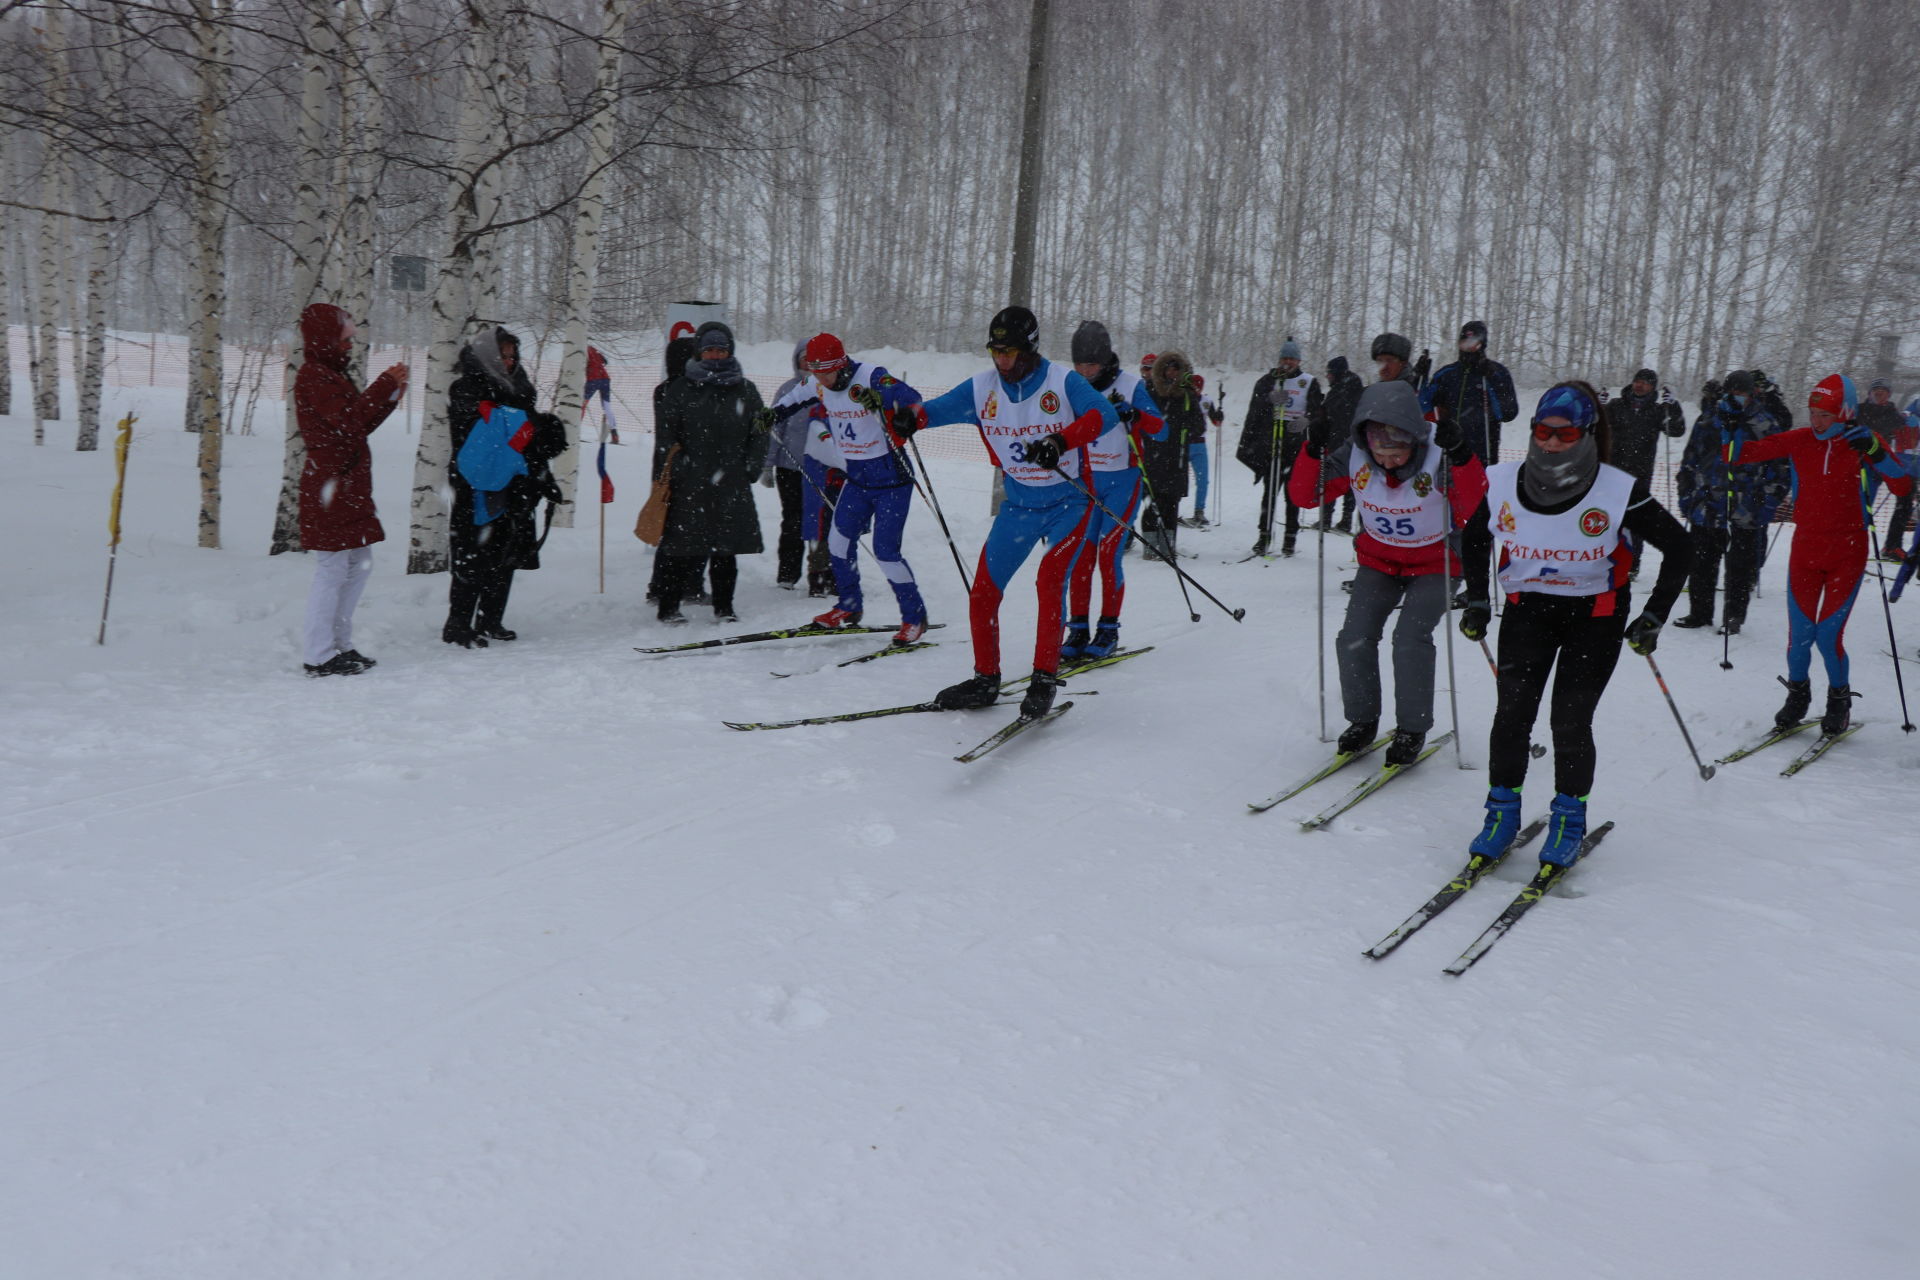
(518, 963)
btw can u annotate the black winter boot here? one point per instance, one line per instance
(982, 689)
(1839, 710)
(1039, 699)
(1359, 734)
(1799, 698)
(1405, 747)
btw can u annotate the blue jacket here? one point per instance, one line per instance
(1713, 495)
(1479, 396)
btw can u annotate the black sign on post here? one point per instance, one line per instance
(407, 274)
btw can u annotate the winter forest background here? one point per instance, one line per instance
(1691, 184)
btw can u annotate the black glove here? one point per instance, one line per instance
(1319, 431)
(1045, 454)
(906, 420)
(764, 419)
(1862, 438)
(1475, 618)
(1643, 633)
(1448, 435)
(866, 397)
(1124, 411)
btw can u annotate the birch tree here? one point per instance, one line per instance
(212, 181)
(319, 108)
(583, 263)
(427, 527)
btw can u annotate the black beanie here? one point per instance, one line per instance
(1647, 376)
(1091, 345)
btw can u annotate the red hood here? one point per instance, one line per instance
(323, 329)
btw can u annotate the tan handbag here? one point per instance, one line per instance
(651, 524)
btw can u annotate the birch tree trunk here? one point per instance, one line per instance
(210, 222)
(95, 364)
(46, 301)
(583, 266)
(318, 107)
(365, 118)
(427, 528)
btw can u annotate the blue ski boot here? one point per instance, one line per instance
(1106, 638)
(1503, 824)
(1076, 642)
(1566, 828)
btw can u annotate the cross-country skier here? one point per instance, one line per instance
(1114, 461)
(1829, 553)
(1037, 418)
(1560, 518)
(1284, 401)
(1408, 505)
(1164, 455)
(1880, 415)
(859, 398)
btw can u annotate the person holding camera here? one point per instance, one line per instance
(493, 532)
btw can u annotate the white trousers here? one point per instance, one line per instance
(338, 579)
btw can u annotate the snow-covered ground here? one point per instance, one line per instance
(517, 963)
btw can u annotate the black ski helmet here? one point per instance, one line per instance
(1014, 327)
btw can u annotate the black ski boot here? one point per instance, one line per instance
(1799, 698)
(1039, 699)
(1694, 620)
(1286, 546)
(981, 690)
(1359, 734)
(1839, 711)
(1405, 747)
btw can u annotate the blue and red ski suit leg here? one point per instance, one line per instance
(1829, 555)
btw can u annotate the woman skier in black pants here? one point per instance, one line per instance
(1560, 520)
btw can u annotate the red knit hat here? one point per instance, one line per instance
(1836, 395)
(824, 354)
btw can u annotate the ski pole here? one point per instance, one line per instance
(1168, 551)
(1446, 590)
(1238, 615)
(1320, 591)
(1893, 645)
(1706, 770)
(934, 502)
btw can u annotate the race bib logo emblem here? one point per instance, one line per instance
(993, 405)
(1362, 476)
(1423, 483)
(1049, 404)
(1594, 522)
(1506, 522)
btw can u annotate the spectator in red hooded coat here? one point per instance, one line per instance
(337, 520)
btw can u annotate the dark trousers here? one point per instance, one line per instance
(793, 546)
(1897, 527)
(680, 577)
(1534, 631)
(1742, 549)
(482, 572)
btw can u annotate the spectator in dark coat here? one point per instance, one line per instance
(485, 556)
(1882, 416)
(1164, 457)
(1729, 508)
(1644, 412)
(1474, 391)
(679, 352)
(1343, 396)
(337, 519)
(713, 415)
(1423, 370)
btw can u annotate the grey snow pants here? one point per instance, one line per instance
(1422, 601)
